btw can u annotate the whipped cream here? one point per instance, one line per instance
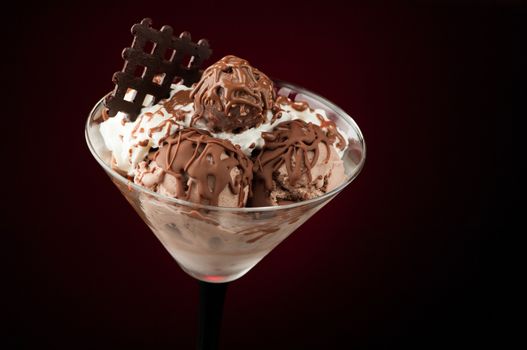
(251, 139)
(130, 142)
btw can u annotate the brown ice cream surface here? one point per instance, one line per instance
(298, 162)
(194, 166)
(232, 96)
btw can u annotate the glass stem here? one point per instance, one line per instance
(211, 298)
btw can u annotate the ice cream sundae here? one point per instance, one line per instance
(222, 163)
(203, 142)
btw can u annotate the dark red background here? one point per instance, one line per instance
(401, 258)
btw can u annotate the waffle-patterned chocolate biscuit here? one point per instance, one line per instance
(154, 61)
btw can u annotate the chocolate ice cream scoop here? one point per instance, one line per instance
(197, 167)
(297, 162)
(232, 96)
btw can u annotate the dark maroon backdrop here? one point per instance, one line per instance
(400, 258)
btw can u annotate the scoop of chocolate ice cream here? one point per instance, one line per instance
(298, 162)
(232, 96)
(197, 167)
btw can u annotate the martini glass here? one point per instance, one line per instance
(217, 245)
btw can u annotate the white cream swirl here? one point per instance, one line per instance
(130, 142)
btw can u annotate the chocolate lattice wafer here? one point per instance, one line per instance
(151, 72)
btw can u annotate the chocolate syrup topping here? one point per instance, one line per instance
(296, 105)
(151, 71)
(333, 134)
(290, 143)
(232, 96)
(180, 98)
(205, 164)
(331, 128)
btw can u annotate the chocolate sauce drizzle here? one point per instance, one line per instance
(174, 104)
(232, 96)
(203, 163)
(333, 134)
(291, 143)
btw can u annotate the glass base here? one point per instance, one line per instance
(220, 278)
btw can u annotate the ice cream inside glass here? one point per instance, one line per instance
(225, 170)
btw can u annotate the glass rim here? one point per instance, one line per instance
(193, 205)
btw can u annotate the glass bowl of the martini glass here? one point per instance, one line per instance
(220, 244)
